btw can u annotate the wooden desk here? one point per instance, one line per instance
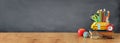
(51, 37)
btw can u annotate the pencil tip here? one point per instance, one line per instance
(108, 11)
(104, 9)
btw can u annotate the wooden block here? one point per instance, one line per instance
(99, 35)
(106, 33)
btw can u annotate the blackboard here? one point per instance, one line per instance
(52, 15)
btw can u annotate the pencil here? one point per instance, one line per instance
(104, 18)
(100, 15)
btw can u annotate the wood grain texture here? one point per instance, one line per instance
(51, 37)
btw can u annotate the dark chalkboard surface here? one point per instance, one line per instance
(52, 15)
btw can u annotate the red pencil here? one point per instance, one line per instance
(104, 18)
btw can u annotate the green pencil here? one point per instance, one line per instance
(100, 13)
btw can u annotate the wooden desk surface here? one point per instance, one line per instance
(45, 37)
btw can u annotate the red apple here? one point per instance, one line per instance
(81, 31)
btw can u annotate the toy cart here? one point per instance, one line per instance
(101, 22)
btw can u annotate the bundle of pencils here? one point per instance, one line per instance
(101, 16)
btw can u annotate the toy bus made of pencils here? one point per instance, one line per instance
(102, 26)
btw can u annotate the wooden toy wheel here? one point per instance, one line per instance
(110, 27)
